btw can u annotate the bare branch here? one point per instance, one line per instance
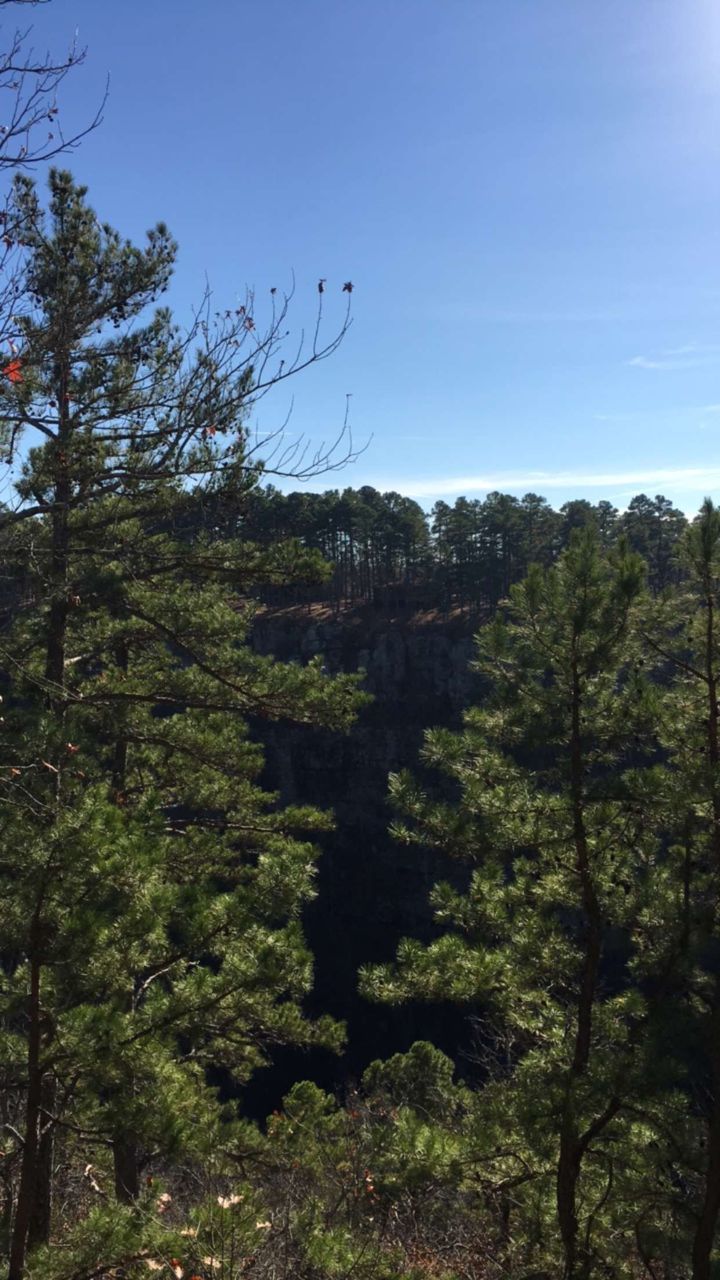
(31, 130)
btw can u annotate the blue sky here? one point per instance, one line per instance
(526, 194)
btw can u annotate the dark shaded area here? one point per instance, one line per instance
(371, 891)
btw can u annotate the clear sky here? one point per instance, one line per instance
(526, 194)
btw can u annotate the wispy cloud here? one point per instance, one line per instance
(689, 356)
(692, 478)
(644, 362)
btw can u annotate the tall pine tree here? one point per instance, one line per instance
(152, 889)
(683, 638)
(545, 945)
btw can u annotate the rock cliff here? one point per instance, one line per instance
(371, 891)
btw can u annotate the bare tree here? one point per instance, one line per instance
(31, 129)
(31, 133)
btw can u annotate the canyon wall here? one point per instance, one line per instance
(371, 890)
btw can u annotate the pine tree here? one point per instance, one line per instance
(152, 889)
(547, 938)
(683, 636)
(654, 528)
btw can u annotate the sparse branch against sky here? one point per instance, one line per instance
(524, 194)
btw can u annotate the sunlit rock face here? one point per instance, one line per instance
(371, 891)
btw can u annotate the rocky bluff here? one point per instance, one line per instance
(371, 891)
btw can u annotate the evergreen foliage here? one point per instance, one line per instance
(151, 942)
(151, 947)
(152, 888)
(683, 636)
(385, 550)
(582, 795)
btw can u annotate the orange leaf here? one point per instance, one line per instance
(13, 370)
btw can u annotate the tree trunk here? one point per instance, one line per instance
(29, 1167)
(125, 1148)
(126, 1167)
(706, 1231)
(41, 1212)
(568, 1172)
(32, 1212)
(572, 1145)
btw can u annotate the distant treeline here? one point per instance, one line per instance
(386, 550)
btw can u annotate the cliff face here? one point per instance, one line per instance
(371, 891)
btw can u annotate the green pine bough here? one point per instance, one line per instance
(151, 888)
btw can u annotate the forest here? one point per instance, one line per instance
(156, 888)
(153, 892)
(385, 550)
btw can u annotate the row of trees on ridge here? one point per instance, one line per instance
(386, 550)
